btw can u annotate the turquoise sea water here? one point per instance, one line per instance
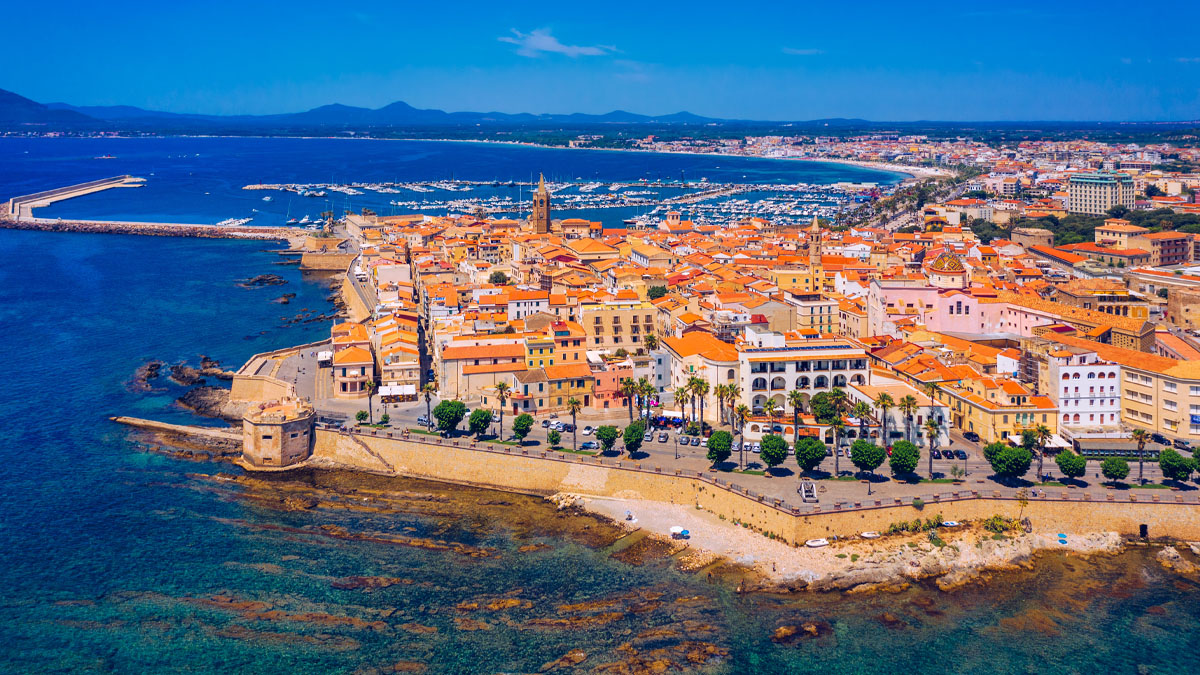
(119, 558)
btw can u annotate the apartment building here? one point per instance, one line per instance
(619, 323)
(1087, 391)
(772, 364)
(1166, 248)
(1096, 193)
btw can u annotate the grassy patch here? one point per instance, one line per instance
(912, 544)
(750, 472)
(1051, 483)
(853, 557)
(1154, 486)
(575, 452)
(423, 432)
(501, 442)
(841, 555)
(844, 479)
(999, 537)
(936, 480)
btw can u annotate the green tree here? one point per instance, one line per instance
(553, 438)
(521, 426)
(866, 455)
(991, 451)
(823, 408)
(385, 419)
(650, 342)
(720, 446)
(479, 421)
(1114, 468)
(498, 277)
(810, 452)
(427, 392)
(862, 412)
(607, 435)
(1012, 462)
(370, 386)
(656, 292)
(361, 416)
(628, 390)
(502, 394)
(883, 403)
(634, 433)
(1070, 464)
(1174, 465)
(905, 455)
(795, 398)
(448, 414)
(774, 450)
(908, 405)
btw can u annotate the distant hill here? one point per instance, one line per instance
(16, 110)
(332, 115)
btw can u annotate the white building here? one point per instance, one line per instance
(770, 365)
(1087, 392)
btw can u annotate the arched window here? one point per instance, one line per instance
(821, 382)
(1091, 376)
(758, 402)
(1076, 418)
(1066, 376)
(802, 383)
(759, 383)
(778, 383)
(730, 375)
(1066, 418)
(1075, 376)
(858, 379)
(839, 380)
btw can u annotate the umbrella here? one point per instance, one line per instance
(676, 530)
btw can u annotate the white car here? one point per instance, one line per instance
(758, 448)
(588, 430)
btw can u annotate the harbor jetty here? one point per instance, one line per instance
(17, 214)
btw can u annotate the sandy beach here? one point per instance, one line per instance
(854, 564)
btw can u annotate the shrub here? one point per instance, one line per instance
(361, 416)
(918, 503)
(553, 438)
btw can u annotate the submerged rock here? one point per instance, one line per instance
(262, 280)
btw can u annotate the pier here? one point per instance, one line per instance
(17, 214)
(21, 208)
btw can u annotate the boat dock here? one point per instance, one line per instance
(22, 207)
(17, 214)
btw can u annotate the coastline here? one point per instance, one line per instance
(890, 563)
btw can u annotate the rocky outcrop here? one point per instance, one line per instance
(144, 375)
(211, 402)
(262, 280)
(956, 564)
(1170, 558)
(151, 229)
(564, 501)
(284, 299)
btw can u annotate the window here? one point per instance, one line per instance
(1169, 405)
(1169, 386)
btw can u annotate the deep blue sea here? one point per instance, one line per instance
(200, 180)
(118, 557)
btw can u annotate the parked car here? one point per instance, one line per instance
(971, 436)
(648, 437)
(1181, 445)
(423, 421)
(588, 430)
(960, 454)
(756, 448)
(936, 454)
(558, 426)
(662, 437)
(846, 453)
(828, 451)
(1160, 439)
(589, 445)
(695, 440)
(496, 417)
(545, 424)
(568, 427)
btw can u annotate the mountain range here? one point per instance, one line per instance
(18, 111)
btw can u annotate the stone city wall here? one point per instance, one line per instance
(326, 262)
(259, 388)
(355, 307)
(490, 465)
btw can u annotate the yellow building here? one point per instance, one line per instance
(997, 409)
(539, 351)
(617, 323)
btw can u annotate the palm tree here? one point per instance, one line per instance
(838, 427)
(682, 398)
(733, 394)
(884, 402)
(932, 430)
(370, 386)
(839, 400)
(862, 410)
(427, 391)
(573, 407)
(702, 392)
(628, 390)
(651, 342)
(742, 414)
(931, 390)
(1042, 433)
(719, 394)
(646, 391)
(908, 405)
(770, 407)
(502, 389)
(1140, 437)
(796, 399)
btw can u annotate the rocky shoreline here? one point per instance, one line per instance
(151, 229)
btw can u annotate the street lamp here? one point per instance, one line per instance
(676, 446)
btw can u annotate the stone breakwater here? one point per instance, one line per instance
(152, 229)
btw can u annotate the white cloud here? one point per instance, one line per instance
(540, 41)
(802, 52)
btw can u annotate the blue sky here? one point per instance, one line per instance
(883, 61)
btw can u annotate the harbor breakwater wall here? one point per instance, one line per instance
(149, 229)
(541, 472)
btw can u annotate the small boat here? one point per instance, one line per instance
(951, 523)
(870, 535)
(816, 543)
(268, 198)
(293, 221)
(104, 157)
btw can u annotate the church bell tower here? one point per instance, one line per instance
(540, 218)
